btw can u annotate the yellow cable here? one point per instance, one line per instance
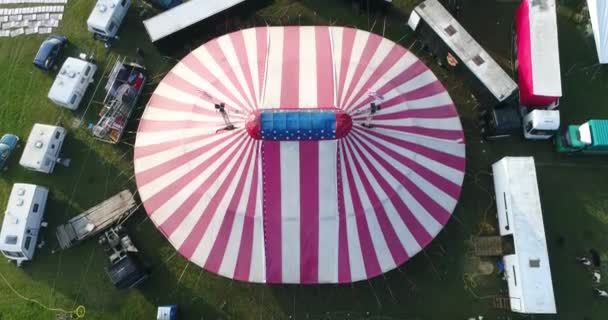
(79, 312)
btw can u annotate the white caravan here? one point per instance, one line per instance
(72, 82)
(41, 151)
(22, 222)
(520, 216)
(106, 18)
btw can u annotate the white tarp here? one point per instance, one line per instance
(598, 11)
(520, 215)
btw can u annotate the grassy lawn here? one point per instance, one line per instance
(439, 283)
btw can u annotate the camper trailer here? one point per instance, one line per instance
(42, 148)
(22, 222)
(106, 18)
(520, 218)
(72, 82)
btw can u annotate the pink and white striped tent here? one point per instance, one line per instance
(315, 211)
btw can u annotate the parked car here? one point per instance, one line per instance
(8, 143)
(50, 51)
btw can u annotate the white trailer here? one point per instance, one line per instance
(185, 15)
(72, 82)
(22, 221)
(42, 148)
(106, 18)
(520, 216)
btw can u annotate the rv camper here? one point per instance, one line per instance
(22, 222)
(42, 148)
(124, 86)
(72, 82)
(520, 217)
(106, 18)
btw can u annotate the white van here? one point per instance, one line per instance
(42, 148)
(72, 82)
(22, 222)
(106, 18)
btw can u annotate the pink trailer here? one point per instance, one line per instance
(538, 54)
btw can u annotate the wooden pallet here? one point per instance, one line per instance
(488, 246)
(501, 303)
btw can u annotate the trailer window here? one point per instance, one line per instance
(73, 100)
(478, 60)
(28, 241)
(57, 135)
(12, 254)
(35, 208)
(123, 3)
(86, 72)
(112, 26)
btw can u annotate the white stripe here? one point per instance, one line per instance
(167, 91)
(203, 249)
(160, 183)
(437, 123)
(385, 259)
(406, 238)
(274, 69)
(384, 48)
(251, 47)
(258, 255)
(308, 68)
(208, 61)
(290, 211)
(230, 54)
(186, 226)
(336, 46)
(419, 81)
(355, 256)
(437, 100)
(360, 40)
(231, 254)
(406, 61)
(153, 160)
(328, 212)
(441, 145)
(439, 168)
(158, 114)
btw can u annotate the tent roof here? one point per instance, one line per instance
(326, 211)
(598, 11)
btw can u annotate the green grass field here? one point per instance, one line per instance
(436, 284)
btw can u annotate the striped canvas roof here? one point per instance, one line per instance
(317, 211)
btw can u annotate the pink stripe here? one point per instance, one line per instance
(146, 176)
(441, 112)
(371, 45)
(348, 40)
(426, 91)
(177, 82)
(290, 95)
(159, 199)
(238, 42)
(438, 181)
(370, 259)
(148, 150)
(195, 237)
(169, 104)
(387, 63)
(437, 211)
(261, 36)
(218, 251)
(325, 75)
(243, 262)
(413, 225)
(343, 257)
(166, 125)
(392, 241)
(197, 67)
(441, 157)
(271, 170)
(408, 74)
(309, 211)
(219, 56)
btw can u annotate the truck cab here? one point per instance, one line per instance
(500, 122)
(106, 18)
(589, 137)
(540, 124)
